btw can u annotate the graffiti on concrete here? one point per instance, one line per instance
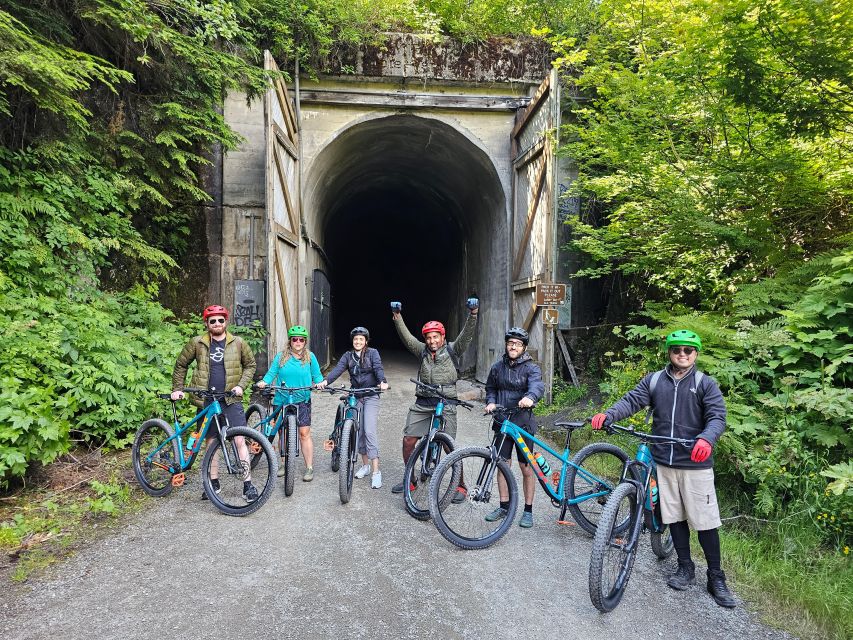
(249, 302)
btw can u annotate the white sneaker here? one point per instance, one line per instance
(376, 480)
(363, 471)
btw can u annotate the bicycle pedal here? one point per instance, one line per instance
(328, 445)
(178, 480)
(567, 523)
(255, 447)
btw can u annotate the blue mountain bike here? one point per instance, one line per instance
(281, 421)
(614, 548)
(581, 486)
(161, 456)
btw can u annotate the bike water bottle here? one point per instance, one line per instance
(191, 441)
(644, 455)
(653, 487)
(543, 464)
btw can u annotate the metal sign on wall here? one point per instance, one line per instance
(550, 317)
(550, 294)
(249, 302)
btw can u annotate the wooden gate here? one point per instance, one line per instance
(321, 318)
(534, 216)
(283, 208)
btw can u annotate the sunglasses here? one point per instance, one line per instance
(297, 339)
(685, 350)
(217, 321)
(514, 343)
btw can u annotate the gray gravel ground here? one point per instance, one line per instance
(309, 566)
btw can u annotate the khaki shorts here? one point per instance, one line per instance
(419, 419)
(688, 494)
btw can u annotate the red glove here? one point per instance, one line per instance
(701, 450)
(598, 420)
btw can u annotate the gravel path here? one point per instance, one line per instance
(309, 566)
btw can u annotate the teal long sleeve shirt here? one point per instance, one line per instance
(293, 373)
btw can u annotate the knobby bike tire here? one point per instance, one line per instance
(610, 563)
(264, 473)
(662, 544)
(154, 480)
(417, 478)
(336, 436)
(345, 474)
(254, 416)
(464, 524)
(289, 440)
(605, 461)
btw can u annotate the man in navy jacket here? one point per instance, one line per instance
(685, 403)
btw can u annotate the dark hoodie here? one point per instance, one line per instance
(510, 380)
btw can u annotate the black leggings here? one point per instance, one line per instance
(709, 540)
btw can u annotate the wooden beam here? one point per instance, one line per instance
(564, 349)
(413, 100)
(529, 155)
(282, 138)
(282, 286)
(282, 179)
(287, 236)
(526, 283)
(531, 315)
(286, 109)
(538, 97)
(531, 214)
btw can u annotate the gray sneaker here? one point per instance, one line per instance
(280, 473)
(497, 514)
(309, 474)
(526, 520)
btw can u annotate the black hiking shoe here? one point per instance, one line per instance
(719, 590)
(250, 494)
(398, 488)
(216, 489)
(684, 576)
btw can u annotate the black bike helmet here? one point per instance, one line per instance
(360, 331)
(517, 333)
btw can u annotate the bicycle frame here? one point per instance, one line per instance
(278, 416)
(204, 418)
(645, 468)
(511, 430)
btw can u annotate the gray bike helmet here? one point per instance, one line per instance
(517, 333)
(360, 331)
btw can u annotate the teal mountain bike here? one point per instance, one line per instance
(162, 453)
(581, 485)
(343, 441)
(427, 455)
(614, 547)
(281, 421)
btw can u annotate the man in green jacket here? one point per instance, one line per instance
(438, 367)
(224, 362)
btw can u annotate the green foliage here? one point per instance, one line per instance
(564, 394)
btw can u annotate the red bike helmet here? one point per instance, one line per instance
(214, 310)
(431, 326)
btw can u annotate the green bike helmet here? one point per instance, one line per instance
(684, 337)
(297, 331)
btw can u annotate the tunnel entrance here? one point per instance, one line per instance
(407, 208)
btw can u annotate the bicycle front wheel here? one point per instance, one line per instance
(418, 474)
(347, 470)
(612, 556)
(288, 440)
(152, 459)
(477, 522)
(234, 496)
(602, 465)
(336, 451)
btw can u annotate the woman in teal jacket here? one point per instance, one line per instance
(296, 366)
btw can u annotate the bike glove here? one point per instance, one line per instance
(598, 420)
(701, 450)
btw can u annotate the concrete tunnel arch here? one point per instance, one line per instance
(410, 208)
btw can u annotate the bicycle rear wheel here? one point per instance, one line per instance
(154, 475)
(288, 438)
(418, 475)
(612, 559)
(471, 524)
(232, 497)
(348, 455)
(605, 462)
(254, 416)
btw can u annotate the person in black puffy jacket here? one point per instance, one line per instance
(515, 381)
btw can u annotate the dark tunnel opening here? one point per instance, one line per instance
(388, 244)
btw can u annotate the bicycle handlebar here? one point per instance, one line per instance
(648, 437)
(352, 390)
(437, 390)
(207, 393)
